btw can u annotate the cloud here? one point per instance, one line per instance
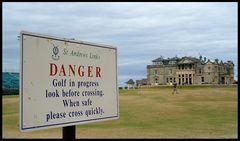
(141, 31)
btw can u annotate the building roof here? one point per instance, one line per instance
(189, 59)
(182, 60)
(158, 59)
(130, 81)
(166, 60)
(193, 60)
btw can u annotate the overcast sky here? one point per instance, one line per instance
(141, 31)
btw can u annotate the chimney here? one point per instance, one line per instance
(204, 59)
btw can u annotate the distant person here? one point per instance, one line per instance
(174, 88)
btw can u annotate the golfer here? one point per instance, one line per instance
(174, 88)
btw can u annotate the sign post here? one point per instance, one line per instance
(69, 132)
(65, 82)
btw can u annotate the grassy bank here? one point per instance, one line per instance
(151, 113)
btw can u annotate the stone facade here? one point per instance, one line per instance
(189, 71)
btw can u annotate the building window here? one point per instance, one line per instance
(228, 71)
(160, 63)
(179, 67)
(190, 66)
(209, 73)
(202, 79)
(172, 62)
(167, 80)
(209, 68)
(155, 71)
(190, 80)
(182, 67)
(157, 63)
(199, 71)
(174, 79)
(215, 79)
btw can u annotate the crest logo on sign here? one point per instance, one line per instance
(55, 55)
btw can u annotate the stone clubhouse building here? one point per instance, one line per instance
(189, 71)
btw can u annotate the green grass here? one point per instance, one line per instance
(151, 113)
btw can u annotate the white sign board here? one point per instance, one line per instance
(66, 82)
